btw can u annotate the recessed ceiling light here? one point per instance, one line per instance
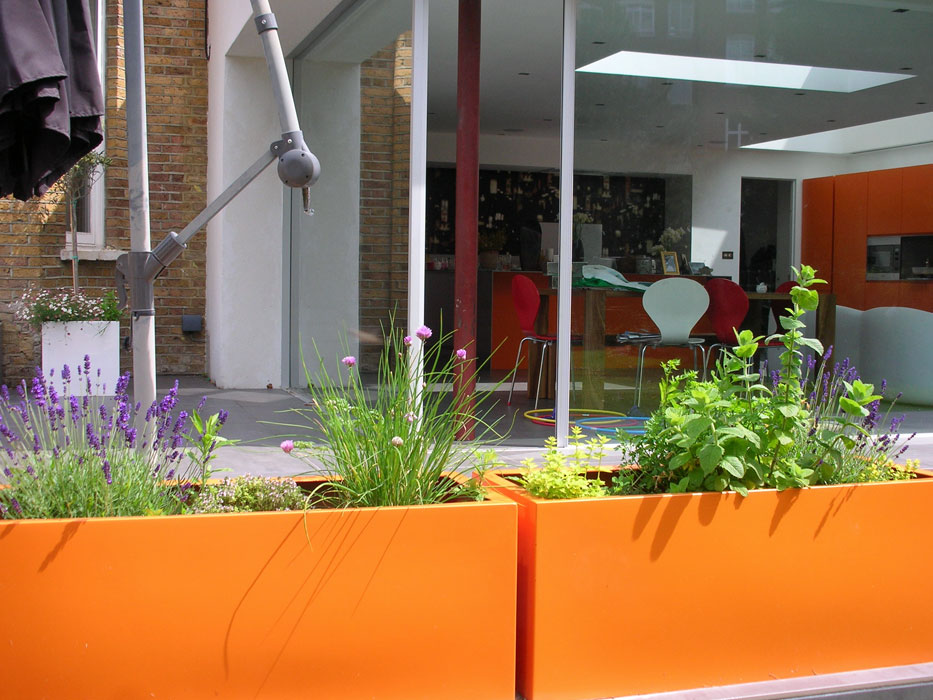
(600, 104)
(720, 112)
(761, 55)
(524, 73)
(907, 68)
(668, 82)
(800, 93)
(830, 120)
(731, 72)
(921, 103)
(604, 139)
(900, 10)
(658, 126)
(599, 43)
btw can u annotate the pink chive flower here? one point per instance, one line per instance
(287, 446)
(397, 441)
(424, 333)
(407, 340)
(461, 354)
(349, 360)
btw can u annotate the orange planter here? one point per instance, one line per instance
(628, 595)
(355, 603)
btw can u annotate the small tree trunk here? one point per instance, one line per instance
(70, 214)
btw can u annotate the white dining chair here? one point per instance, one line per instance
(674, 305)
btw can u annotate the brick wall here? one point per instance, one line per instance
(32, 233)
(385, 95)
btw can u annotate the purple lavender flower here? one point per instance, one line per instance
(16, 506)
(202, 402)
(222, 417)
(106, 468)
(66, 373)
(828, 353)
(92, 438)
(87, 364)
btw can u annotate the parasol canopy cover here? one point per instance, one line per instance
(51, 101)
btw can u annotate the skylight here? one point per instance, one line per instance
(731, 72)
(890, 133)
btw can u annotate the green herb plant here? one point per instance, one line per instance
(393, 448)
(205, 443)
(564, 474)
(249, 494)
(735, 433)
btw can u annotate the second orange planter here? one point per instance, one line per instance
(628, 595)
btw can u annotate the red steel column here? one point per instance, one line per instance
(465, 272)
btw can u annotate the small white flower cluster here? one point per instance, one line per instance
(37, 306)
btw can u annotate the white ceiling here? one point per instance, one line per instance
(524, 36)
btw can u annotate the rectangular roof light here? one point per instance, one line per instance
(731, 72)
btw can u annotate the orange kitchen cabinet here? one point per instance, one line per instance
(850, 218)
(884, 201)
(816, 244)
(917, 199)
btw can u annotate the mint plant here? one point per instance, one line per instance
(735, 433)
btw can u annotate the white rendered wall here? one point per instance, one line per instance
(245, 289)
(325, 247)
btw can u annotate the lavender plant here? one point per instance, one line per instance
(395, 448)
(71, 456)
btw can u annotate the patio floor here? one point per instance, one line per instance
(261, 418)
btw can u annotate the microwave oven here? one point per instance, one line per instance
(884, 258)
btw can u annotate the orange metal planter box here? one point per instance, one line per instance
(638, 594)
(355, 603)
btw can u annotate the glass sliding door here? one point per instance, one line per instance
(683, 106)
(518, 207)
(349, 261)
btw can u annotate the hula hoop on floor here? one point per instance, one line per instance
(545, 416)
(634, 425)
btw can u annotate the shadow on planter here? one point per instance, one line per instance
(639, 594)
(352, 603)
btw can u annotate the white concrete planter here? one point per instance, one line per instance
(67, 343)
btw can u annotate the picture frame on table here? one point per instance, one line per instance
(669, 263)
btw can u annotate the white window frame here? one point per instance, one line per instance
(92, 243)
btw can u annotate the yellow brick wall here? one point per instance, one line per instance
(385, 116)
(32, 233)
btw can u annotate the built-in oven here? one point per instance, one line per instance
(884, 258)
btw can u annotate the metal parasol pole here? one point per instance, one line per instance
(297, 168)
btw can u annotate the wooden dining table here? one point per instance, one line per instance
(594, 338)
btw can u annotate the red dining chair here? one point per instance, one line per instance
(728, 306)
(527, 300)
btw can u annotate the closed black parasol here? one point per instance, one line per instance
(50, 96)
